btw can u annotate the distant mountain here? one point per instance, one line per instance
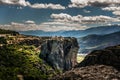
(94, 42)
(101, 30)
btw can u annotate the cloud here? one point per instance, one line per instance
(108, 5)
(45, 6)
(46, 26)
(115, 10)
(117, 13)
(16, 24)
(35, 5)
(62, 21)
(96, 3)
(29, 22)
(78, 3)
(86, 11)
(63, 17)
(112, 8)
(15, 2)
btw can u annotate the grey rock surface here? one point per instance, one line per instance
(60, 53)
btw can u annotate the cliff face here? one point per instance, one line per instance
(60, 53)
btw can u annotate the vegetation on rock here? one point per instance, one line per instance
(22, 60)
(3, 40)
(2, 31)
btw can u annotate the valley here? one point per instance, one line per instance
(51, 58)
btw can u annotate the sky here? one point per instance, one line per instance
(57, 15)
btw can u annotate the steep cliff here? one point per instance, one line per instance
(60, 53)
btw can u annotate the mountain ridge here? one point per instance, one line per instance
(76, 33)
(95, 42)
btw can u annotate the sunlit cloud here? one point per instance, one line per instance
(45, 6)
(46, 26)
(63, 17)
(35, 5)
(96, 3)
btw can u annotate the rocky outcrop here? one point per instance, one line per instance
(98, 65)
(60, 53)
(109, 56)
(96, 72)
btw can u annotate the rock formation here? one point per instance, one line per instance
(98, 65)
(109, 56)
(20, 56)
(96, 72)
(60, 53)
